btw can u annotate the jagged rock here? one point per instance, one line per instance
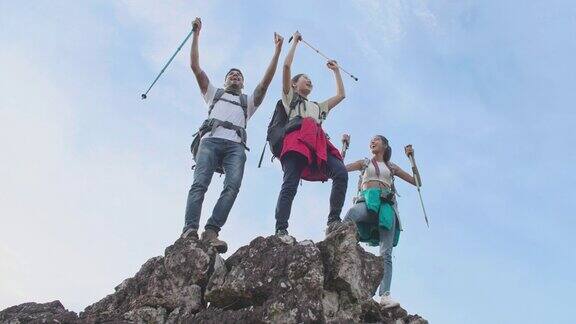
(52, 312)
(163, 284)
(285, 279)
(271, 280)
(348, 267)
(352, 275)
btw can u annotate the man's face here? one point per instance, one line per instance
(234, 80)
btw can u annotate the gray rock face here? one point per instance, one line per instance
(52, 312)
(285, 280)
(268, 281)
(349, 268)
(163, 284)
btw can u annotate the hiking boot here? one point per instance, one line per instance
(333, 226)
(190, 233)
(281, 232)
(211, 236)
(387, 302)
(283, 235)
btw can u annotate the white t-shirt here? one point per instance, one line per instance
(226, 111)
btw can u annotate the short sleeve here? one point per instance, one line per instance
(323, 106)
(209, 95)
(287, 99)
(251, 109)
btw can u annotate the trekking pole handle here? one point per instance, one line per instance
(345, 144)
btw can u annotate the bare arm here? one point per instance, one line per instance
(403, 174)
(201, 77)
(340, 93)
(262, 87)
(286, 73)
(355, 166)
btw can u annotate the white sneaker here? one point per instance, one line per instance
(388, 302)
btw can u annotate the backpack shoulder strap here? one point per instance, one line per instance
(244, 105)
(391, 166)
(296, 100)
(365, 164)
(217, 96)
(321, 114)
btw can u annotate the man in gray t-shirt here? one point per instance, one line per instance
(223, 142)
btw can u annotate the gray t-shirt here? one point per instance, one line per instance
(226, 111)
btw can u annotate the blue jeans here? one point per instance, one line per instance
(359, 213)
(292, 165)
(211, 153)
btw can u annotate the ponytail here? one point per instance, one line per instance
(388, 152)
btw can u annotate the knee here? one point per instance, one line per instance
(197, 189)
(202, 177)
(349, 216)
(290, 184)
(387, 255)
(340, 174)
(288, 190)
(232, 188)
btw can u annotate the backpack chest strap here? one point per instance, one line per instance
(211, 124)
(243, 103)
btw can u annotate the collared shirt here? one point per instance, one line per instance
(317, 111)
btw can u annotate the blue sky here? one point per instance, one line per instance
(93, 180)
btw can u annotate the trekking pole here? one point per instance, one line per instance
(324, 56)
(145, 95)
(345, 144)
(262, 155)
(418, 184)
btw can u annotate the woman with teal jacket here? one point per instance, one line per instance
(375, 209)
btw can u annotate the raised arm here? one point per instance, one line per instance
(201, 77)
(340, 94)
(286, 73)
(262, 87)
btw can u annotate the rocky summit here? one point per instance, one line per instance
(271, 280)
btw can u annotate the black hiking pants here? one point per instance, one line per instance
(292, 165)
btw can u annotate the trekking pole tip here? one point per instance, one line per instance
(144, 96)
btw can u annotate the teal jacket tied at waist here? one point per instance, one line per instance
(369, 232)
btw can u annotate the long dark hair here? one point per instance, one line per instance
(388, 151)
